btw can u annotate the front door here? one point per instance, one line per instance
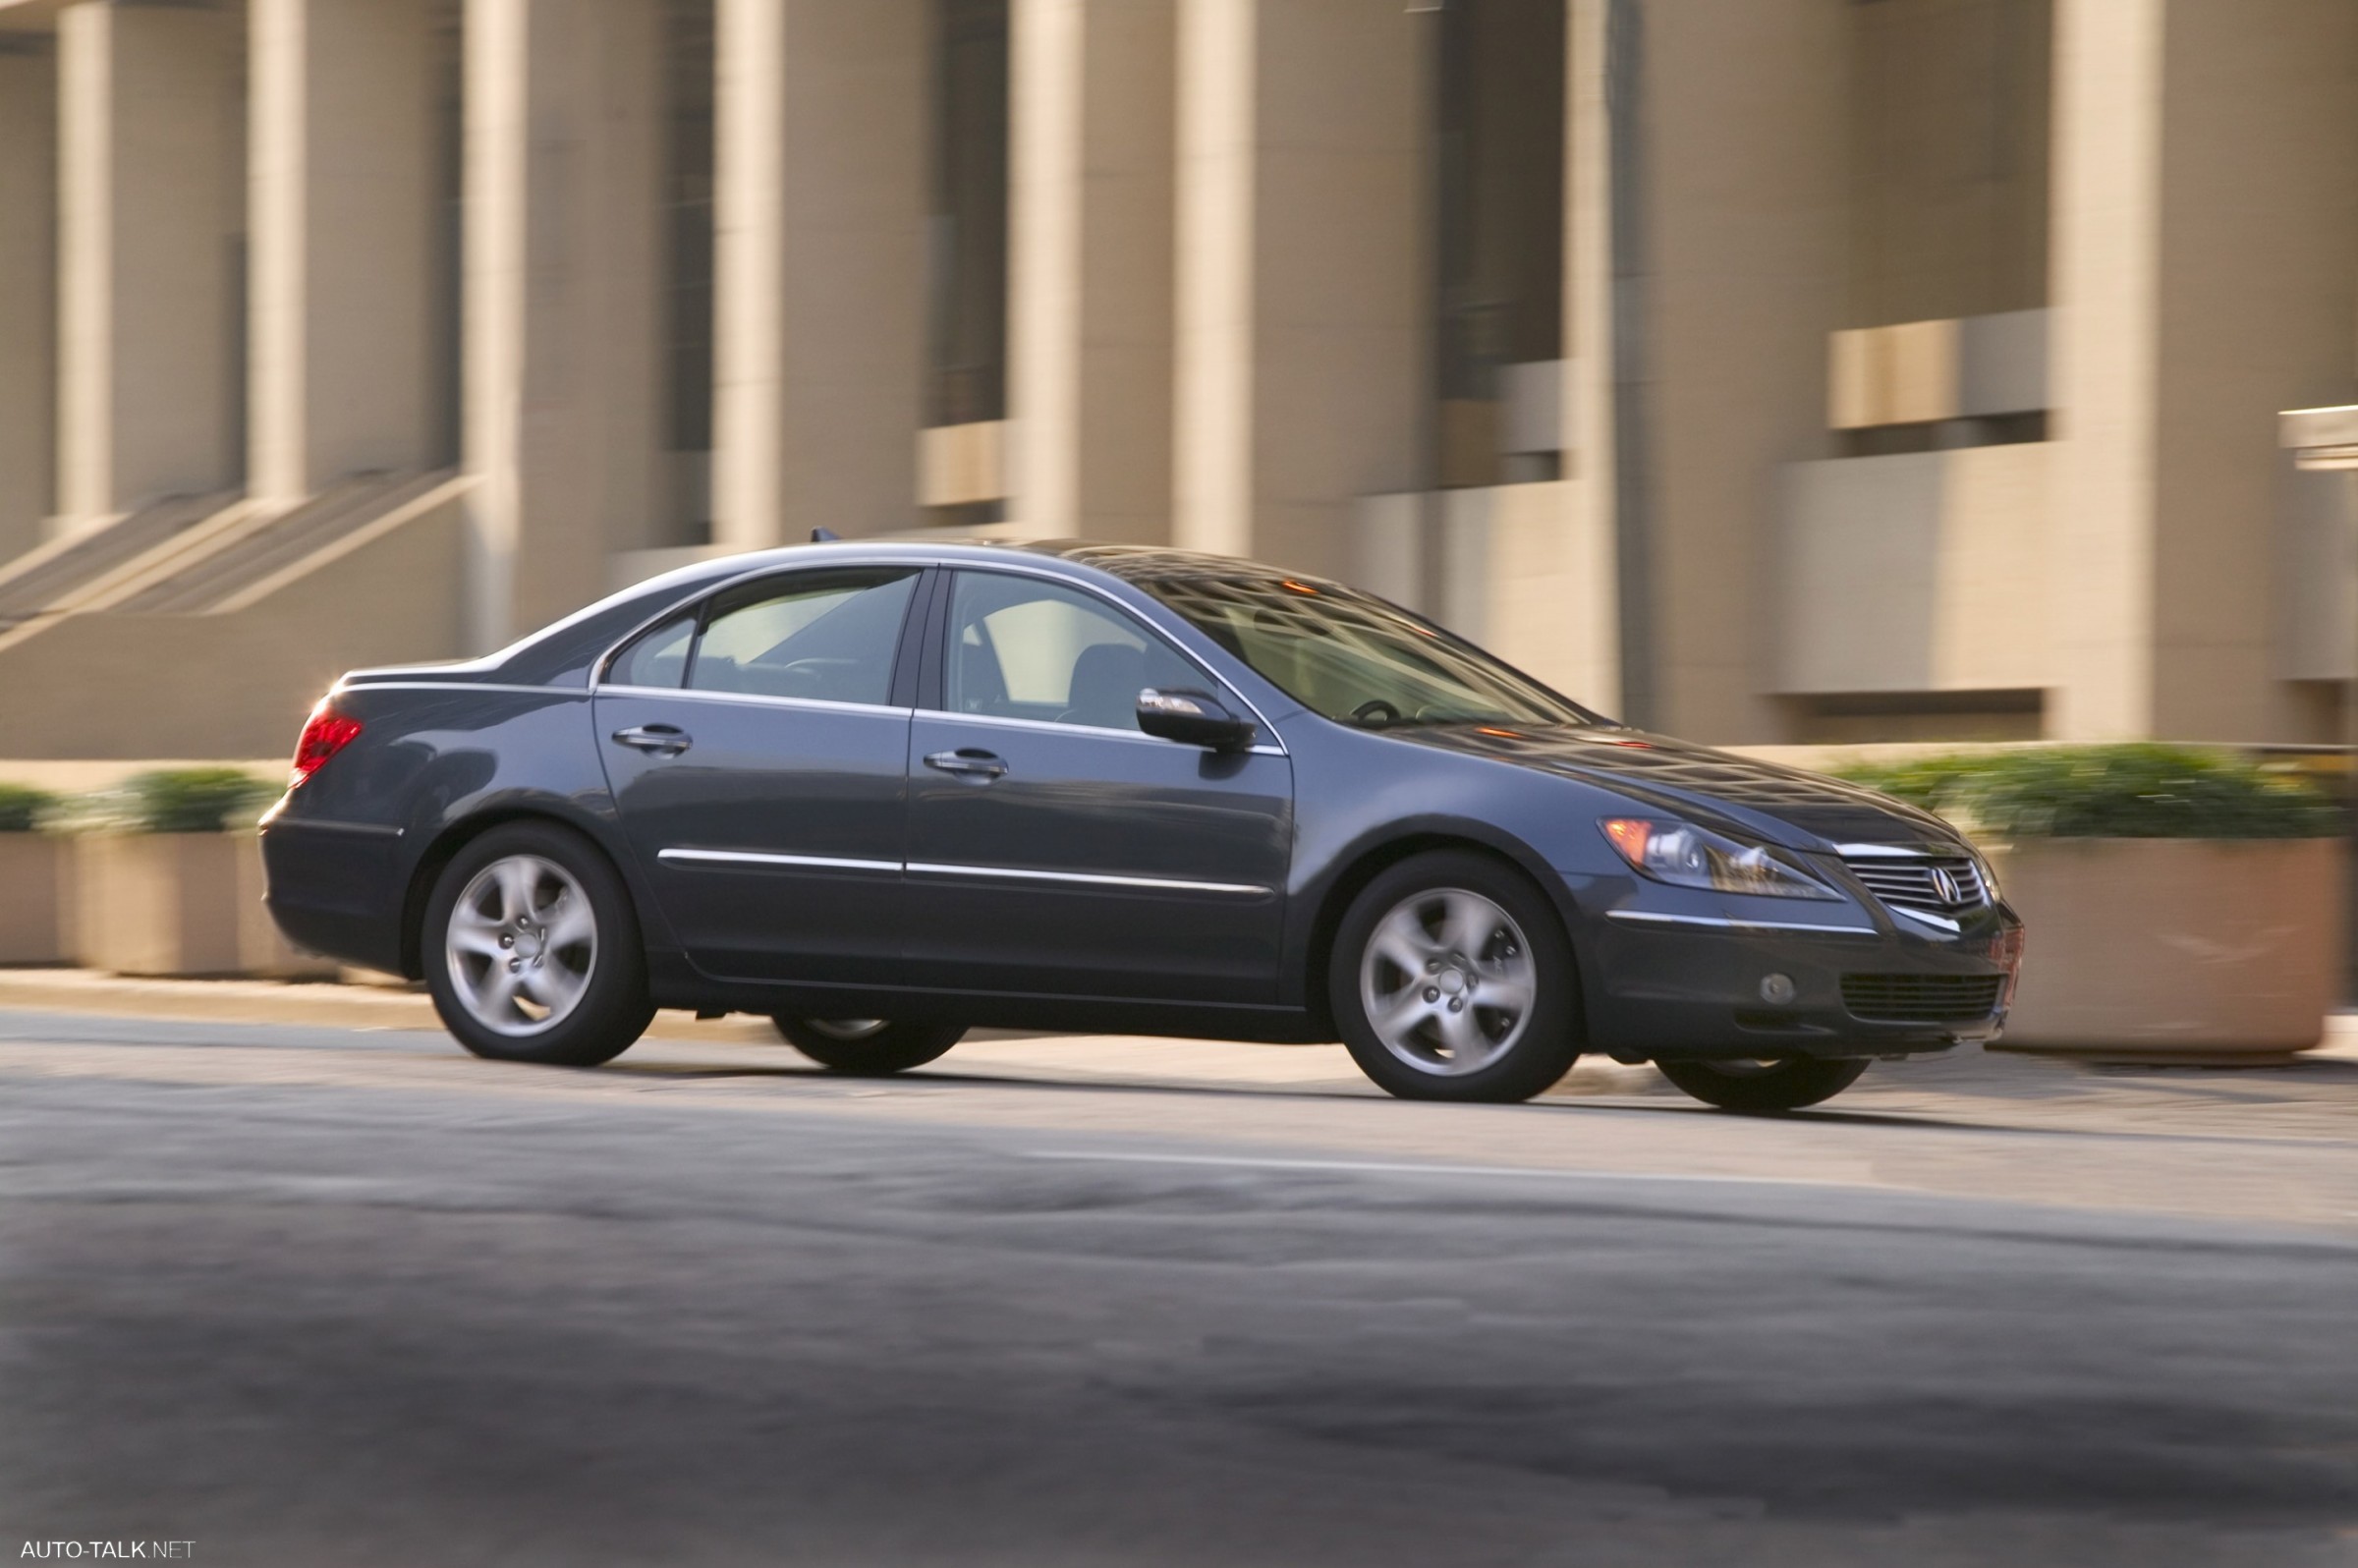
(1053, 847)
(758, 753)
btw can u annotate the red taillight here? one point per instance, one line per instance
(326, 733)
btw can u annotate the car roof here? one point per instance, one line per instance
(1131, 561)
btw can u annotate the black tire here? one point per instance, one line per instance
(1518, 1051)
(1765, 1086)
(871, 1048)
(608, 1012)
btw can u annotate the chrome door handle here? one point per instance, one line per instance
(969, 762)
(664, 740)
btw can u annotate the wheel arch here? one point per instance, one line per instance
(1371, 861)
(454, 837)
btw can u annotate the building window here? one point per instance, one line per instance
(1500, 200)
(1871, 717)
(966, 227)
(1949, 133)
(688, 262)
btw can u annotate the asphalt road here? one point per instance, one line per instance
(311, 1296)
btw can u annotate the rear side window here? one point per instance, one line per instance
(828, 636)
(659, 656)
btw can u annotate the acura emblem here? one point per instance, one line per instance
(1945, 886)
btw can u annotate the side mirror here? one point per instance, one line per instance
(1193, 717)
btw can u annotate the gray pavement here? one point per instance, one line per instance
(330, 1296)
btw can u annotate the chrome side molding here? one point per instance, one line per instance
(1084, 879)
(822, 862)
(829, 863)
(1725, 923)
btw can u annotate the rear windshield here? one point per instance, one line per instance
(1357, 659)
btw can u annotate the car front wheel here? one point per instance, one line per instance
(871, 1048)
(1452, 980)
(533, 950)
(1764, 1086)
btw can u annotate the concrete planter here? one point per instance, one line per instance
(36, 899)
(179, 904)
(2168, 949)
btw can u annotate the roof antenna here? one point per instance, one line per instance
(824, 537)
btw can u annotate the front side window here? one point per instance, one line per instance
(1357, 659)
(828, 636)
(1020, 647)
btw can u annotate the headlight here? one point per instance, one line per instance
(1686, 856)
(1981, 864)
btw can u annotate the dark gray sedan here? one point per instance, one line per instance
(883, 794)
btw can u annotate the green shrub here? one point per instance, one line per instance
(2132, 790)
(21, 808)
(194, 800)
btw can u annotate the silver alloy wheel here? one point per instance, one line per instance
(522, 945)
(1447, 981)
(847, 1029)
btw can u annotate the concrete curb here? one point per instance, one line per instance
(315, 1006)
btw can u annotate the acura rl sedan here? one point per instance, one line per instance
(884, 793)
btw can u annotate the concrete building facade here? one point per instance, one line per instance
(1763, 370)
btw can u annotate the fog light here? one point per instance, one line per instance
(1777, 989)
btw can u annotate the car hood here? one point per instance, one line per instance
(1786, 806)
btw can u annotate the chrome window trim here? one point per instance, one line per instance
(1051, 726)
(1219, 682)
(825, 862)
(598, 669)
(1727, 923)
(823, 704)
(1087, 878)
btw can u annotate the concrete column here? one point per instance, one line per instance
(1301, 298)
(563, 323)
(1735, 282)
(149, 158)
(2107, 226)
(819, 201)
(1589, 665)
(27, 290)
(1090, 263)
(2199, 150)
(341, 212)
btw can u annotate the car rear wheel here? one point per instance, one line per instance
(1764, 1086)
(871, 1048)
(533, 950)
(1452, 980)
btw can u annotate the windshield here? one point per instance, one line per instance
(1357, 659)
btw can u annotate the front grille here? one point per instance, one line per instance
(1939, 885)
(1922, 998)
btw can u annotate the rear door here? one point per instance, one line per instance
(1053, 847)
(758, 751)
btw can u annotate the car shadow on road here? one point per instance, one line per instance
(1823, 1117)
(1583, 1104)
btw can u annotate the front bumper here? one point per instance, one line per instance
(1701, 983)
